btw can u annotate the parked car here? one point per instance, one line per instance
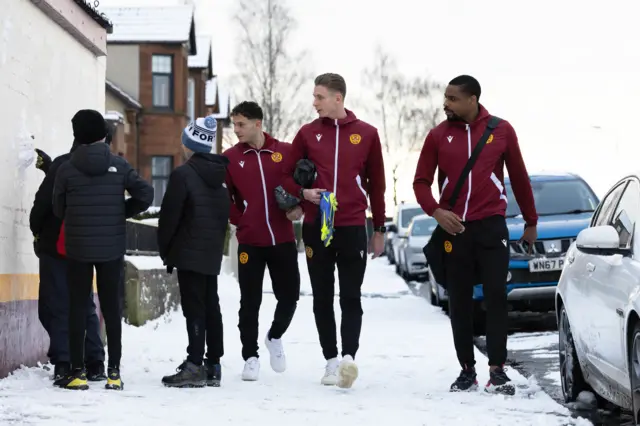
(388, 236)
(598, 303)
(411, 259)
(401, 220)
(565, 204)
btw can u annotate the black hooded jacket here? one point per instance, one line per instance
(194, 215)
(45, 226)
(89, 196)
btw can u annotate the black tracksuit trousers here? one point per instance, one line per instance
(347, 251)
(201, 309)
(480, 255)
(282, 262)
(53, 311)
(110, 287)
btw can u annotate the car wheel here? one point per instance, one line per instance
(571, 376)
(634, 372)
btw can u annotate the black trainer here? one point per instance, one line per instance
(500, 383)
(188, 375)
(114, 381)
(466, 381)
(74, 380)
(95, 371)
(61, 370)
(214, 373)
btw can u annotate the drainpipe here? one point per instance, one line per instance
(138, 123)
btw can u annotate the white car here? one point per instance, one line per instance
(401, 220)
(411, 259)
(598, 303)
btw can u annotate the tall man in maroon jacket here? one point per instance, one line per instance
(265, 235)
(348, 158)
(478, 251)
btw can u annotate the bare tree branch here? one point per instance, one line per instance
(406, 109)
(270, 74)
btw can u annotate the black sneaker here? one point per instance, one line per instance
(75, 380)
(214, 374)
(114, 381)
(95, 371)
(500, 383)
(61, 370)
(188, 375)
(466, 381)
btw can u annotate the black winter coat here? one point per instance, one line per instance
(43, 223)
(194, 215)
(89, 195)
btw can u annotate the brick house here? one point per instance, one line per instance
(156, 76)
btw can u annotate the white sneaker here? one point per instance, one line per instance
(276, 354)
(251, 370)
(330, 377)
(347, 372)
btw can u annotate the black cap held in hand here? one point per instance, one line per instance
(88, 126)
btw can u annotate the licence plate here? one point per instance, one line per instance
(543, 265)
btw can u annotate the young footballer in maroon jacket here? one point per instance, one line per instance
(348, 158)
(478, 249)
(265, 235)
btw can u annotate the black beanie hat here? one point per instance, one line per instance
(88, 126)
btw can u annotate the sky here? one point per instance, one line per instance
(566, 74)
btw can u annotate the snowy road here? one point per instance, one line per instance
(406, 364)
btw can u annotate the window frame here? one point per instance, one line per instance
(170, 75)
(596, 215)
(631, 184)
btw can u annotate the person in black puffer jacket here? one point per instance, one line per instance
(53, 293)
(191, 233)
(88, 196)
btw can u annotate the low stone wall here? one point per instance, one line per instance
(149, 291)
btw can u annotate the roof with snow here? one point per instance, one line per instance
(152, 24)
(204, 58)
(127, 99)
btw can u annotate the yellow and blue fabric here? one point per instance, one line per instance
(328, 207)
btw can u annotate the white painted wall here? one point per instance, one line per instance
(45, 77)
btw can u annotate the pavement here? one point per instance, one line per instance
(533, 351)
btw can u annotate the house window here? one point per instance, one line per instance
(191, 99)
(162, 71)
(161, 167)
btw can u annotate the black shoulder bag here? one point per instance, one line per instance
(434, 251)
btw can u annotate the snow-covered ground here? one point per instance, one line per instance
(406, 362)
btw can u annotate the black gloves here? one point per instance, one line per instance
(43, 161)
(305, 173)
(285, 200)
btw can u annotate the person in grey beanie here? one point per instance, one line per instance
(191, 233)
(89, 197)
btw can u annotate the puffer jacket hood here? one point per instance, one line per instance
(211, 168)
(93, 159)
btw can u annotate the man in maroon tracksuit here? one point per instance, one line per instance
(265, 235)
(348, 158)
(478, 250)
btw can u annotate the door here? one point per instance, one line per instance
(613, 282)
(582, 269)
